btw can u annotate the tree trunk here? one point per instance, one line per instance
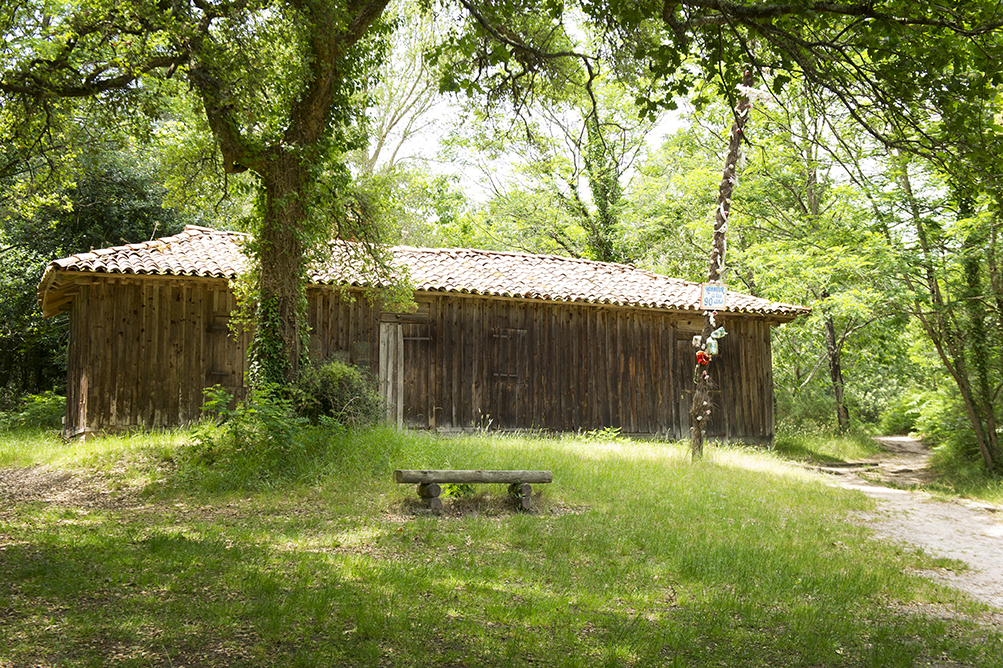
(285, 169)
(948, 338)
(836, 374)
(700, 410)
(976, 337)
(277, 344)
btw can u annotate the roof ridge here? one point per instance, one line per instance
(545, 256)
(204, 251)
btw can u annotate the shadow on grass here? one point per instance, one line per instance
(663, 563)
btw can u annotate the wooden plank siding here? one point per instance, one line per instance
(143, 349)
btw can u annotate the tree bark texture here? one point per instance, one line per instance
(285, 170)
(947, 336)
(281, 257)
(701, 408)
(836, 374)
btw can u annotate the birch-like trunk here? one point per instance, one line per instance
(701, 409)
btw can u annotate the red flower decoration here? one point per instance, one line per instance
(703, 358)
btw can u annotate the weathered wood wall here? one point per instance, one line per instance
(476, 362)
(142, 350)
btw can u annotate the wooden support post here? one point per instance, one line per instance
(522, 493)
(520, 489)
(429, 493)
(429, 490)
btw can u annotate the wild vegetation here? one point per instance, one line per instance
(867, 187)
(128, 553)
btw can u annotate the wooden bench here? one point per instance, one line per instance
(520, 483)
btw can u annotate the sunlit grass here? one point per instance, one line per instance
(29, 447)
(634, 556)
(823, 447)
(38, 447)
(965, 477)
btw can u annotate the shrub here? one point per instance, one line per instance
(260, 439)
(902, 413)
(36, 411)
(333, 392)
(943, 421)
(282, 433)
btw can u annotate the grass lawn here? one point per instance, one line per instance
(634, 556)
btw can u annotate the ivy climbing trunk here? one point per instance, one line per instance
(281, 281)
(701, 408)
(977, 337)
(287, 165)
(949, 333)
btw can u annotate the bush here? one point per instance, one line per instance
(283, 433)
(943, 421)
(333, 392)
(902, 413)
(811, 409)
(261, 438)
(36, 411)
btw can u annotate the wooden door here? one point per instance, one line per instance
(508, 377)
(391, 377)
(419, 403)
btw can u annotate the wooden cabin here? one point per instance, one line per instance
(498, 340)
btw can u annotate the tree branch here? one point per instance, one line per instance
(729, 11)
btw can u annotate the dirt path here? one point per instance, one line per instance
(969, 532)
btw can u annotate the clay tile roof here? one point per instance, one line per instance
(197, 251)
(200, 251)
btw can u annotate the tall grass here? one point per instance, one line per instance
(633, 556)
(824, 446)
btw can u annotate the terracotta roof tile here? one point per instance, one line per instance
(199, 251)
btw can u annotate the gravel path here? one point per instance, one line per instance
(968, 532)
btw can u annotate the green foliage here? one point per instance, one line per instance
(457, 490)
(671, 199)
(114, 200)
(605, 434)
(268, 358)
(32, 350)
(635, 557)
(334, 393)
(902, 414)
(570, 161)
(36, 411)
(260, 440)
(282, 433)
(943, 421)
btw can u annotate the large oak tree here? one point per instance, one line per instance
(278, 80)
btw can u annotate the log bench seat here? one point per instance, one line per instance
(520, 483)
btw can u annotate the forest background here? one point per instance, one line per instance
(888, 232)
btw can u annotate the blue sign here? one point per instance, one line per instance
(713, 296)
